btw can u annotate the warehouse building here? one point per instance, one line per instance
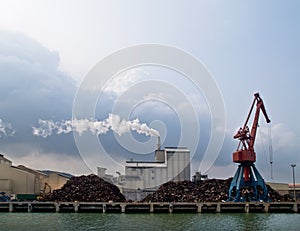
(144, 177)
(281, 188)
(294, 189)
(56, 179)
(285, 188)
(21, 180)
(15, 180)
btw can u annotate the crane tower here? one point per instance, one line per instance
(247, 183)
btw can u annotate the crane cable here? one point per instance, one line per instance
(270, 149)
(268, 145)
(263, 141)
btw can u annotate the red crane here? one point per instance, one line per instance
(247, 174)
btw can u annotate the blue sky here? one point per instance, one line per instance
(48, 47)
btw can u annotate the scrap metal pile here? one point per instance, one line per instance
(212, 190)
(92, 188)
(89, 188)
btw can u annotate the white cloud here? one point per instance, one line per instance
(222, 172)
(125, 80)
(281, 137)
(6, 129)
(118, 84)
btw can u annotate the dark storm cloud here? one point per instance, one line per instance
(31, 87)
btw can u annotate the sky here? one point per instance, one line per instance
(48, 49)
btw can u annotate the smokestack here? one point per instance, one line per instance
(158, 143)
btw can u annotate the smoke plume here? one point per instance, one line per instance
(6, 129)
(113, 122)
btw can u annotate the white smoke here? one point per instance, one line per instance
(6, 129)
(113, 122)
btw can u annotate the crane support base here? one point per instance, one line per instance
(251, 189)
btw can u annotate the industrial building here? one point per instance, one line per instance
(285, 188)
(17, 180)
(101, 172)
(281, 188)
(56, 179)
(294, 189)
(14, 180)
(144, 177)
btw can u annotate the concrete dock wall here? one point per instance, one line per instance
(206, 207)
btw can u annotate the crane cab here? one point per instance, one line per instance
(242, 156)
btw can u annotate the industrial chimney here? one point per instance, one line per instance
(159, 154)
(158, 143)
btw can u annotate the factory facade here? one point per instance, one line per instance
(25, 181)
(17, 180)
(144, 177)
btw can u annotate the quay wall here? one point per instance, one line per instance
(157, 207)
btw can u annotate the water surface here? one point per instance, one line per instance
(144, 222)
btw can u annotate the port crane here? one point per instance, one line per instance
(247, 183)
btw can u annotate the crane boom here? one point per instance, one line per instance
(245, 151)
(259, 106)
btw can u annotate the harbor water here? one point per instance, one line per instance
(144, 222)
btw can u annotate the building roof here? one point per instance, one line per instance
(35, 172)
(291, 186)
(278, 186)
(4, 159)
(63, 174)
(145, 164)
(144, 161)
(176, 149)
(155, 163)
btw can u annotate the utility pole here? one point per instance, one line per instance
(293, 167)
